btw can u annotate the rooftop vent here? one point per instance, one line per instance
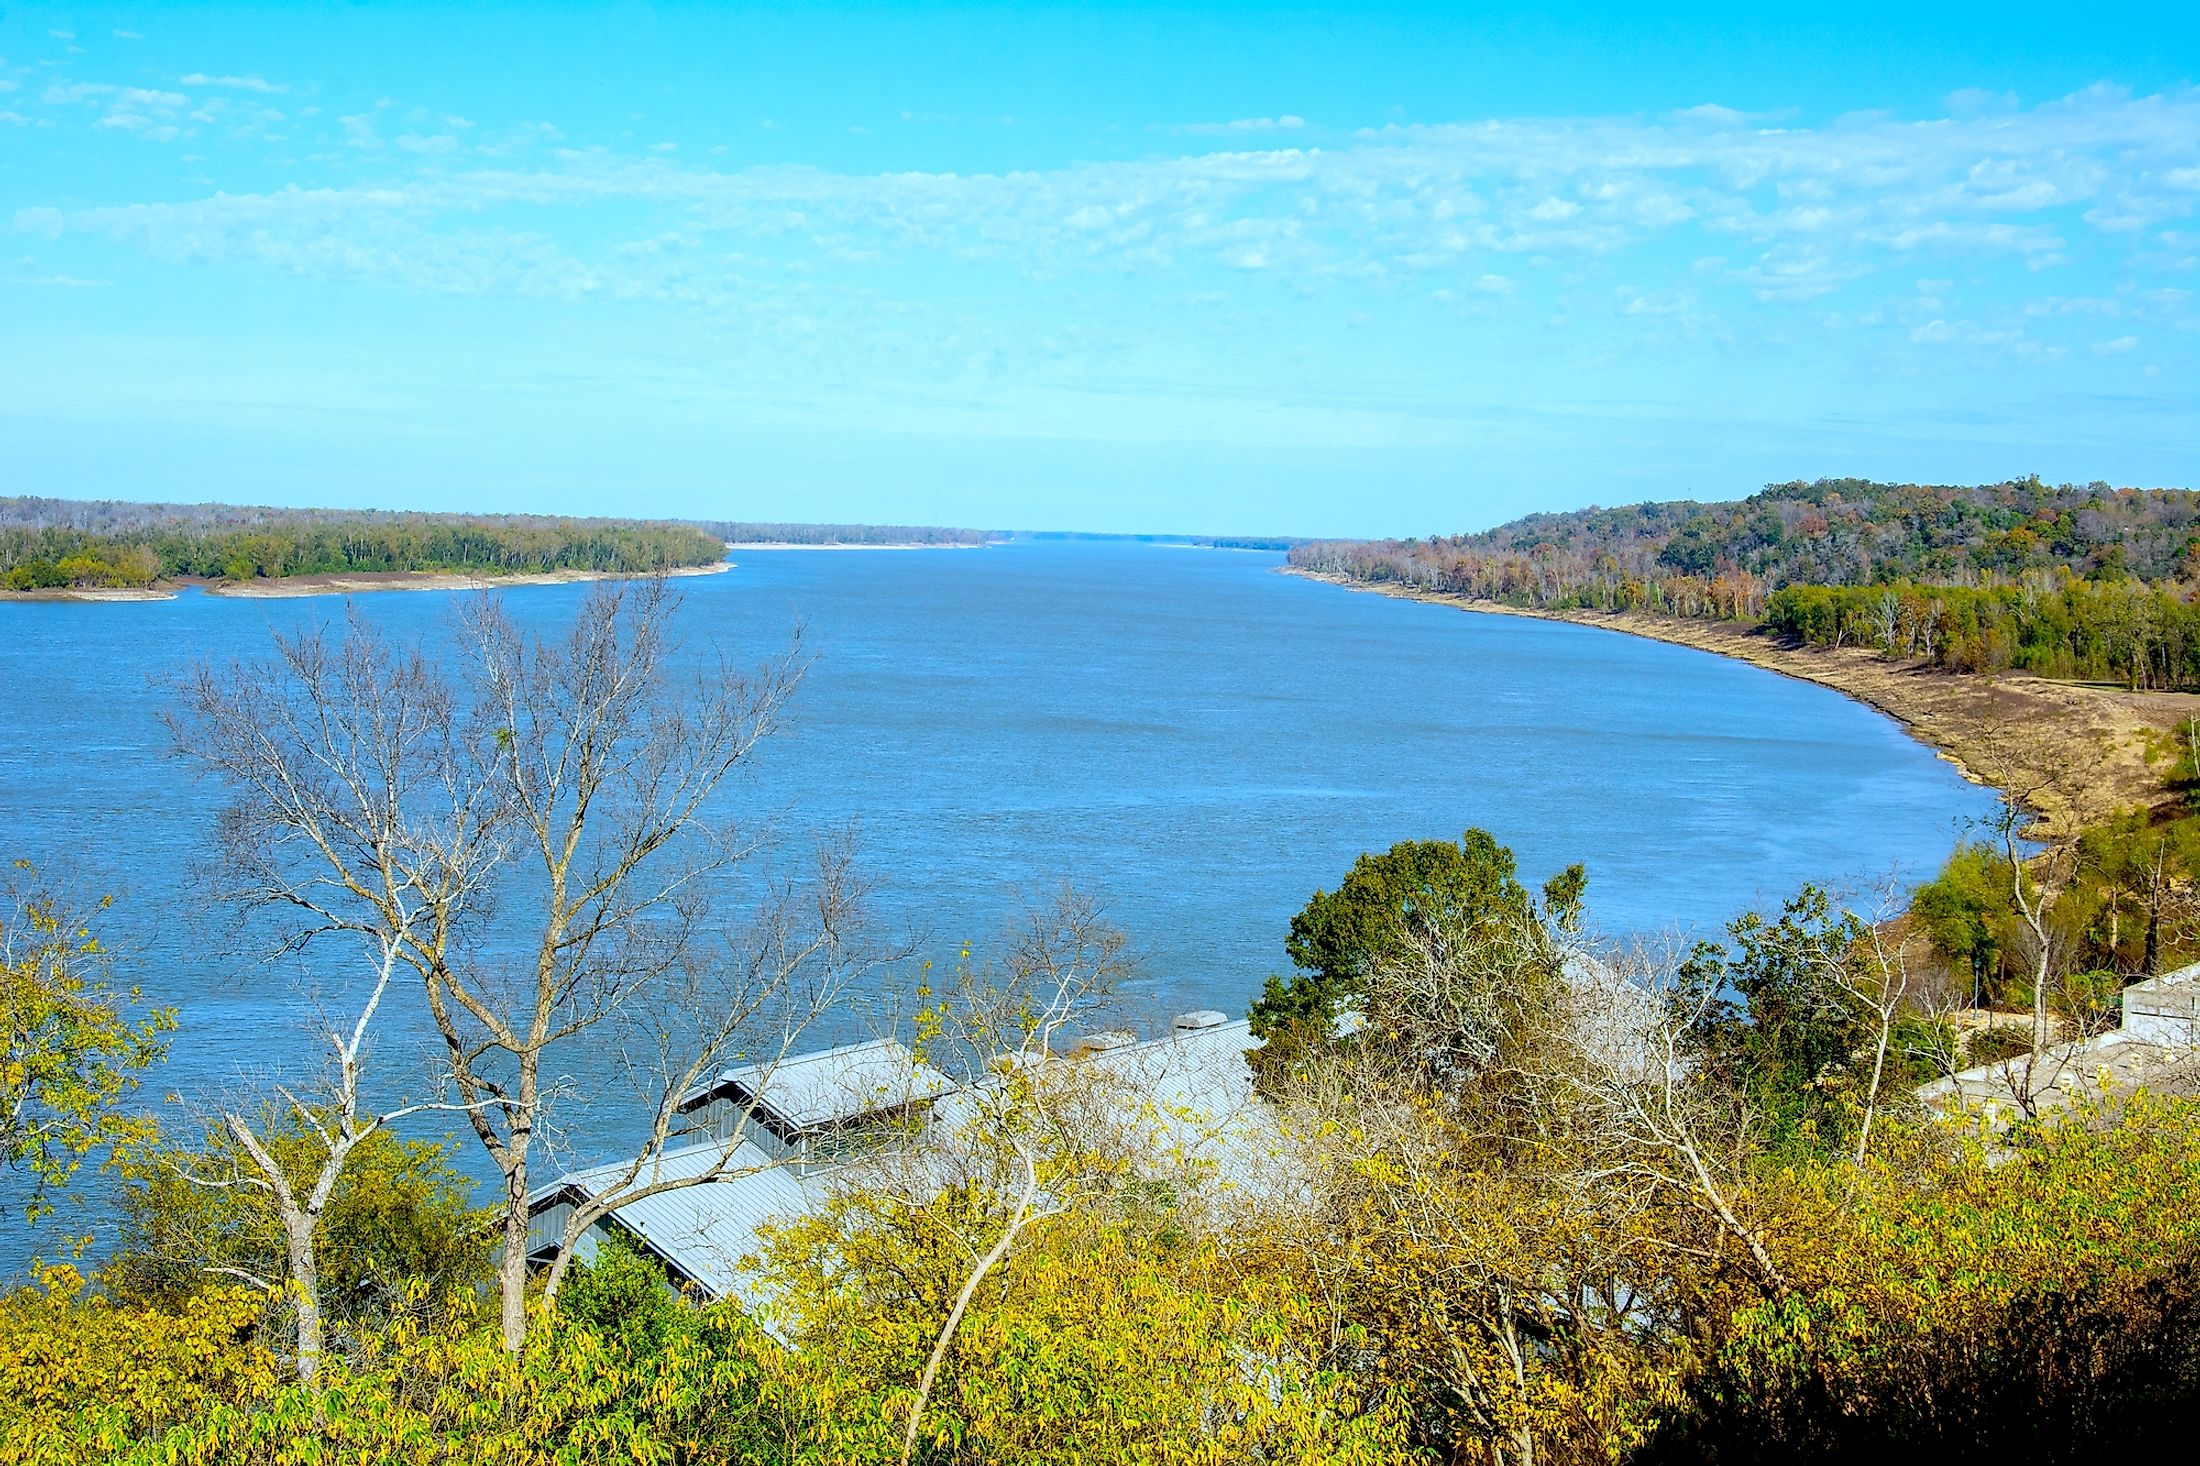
(1198, 1019)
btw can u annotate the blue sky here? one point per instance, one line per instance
(1351, 270)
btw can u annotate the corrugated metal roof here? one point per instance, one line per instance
(830, 1087)
(706, 1228)
(1187, 1099)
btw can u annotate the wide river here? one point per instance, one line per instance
(1195, 738)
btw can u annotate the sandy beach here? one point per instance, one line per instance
(344, 585)
(91, 593)
(2103, 735)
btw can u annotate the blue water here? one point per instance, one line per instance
(1195, 738)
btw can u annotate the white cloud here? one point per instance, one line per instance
(234, 83)
(1285, 123)
(1634, 302)
(1718, 203)
(55, 282)
(142, 112)
(2116, 347)
(1795, 278)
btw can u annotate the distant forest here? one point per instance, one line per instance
(1197, 541)
(56, 543)
(740, 532)
(2060, 580)
(745, 532)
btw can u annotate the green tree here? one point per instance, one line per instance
(1964, 912)
(2135, 881)
(400, 1233)
(1787, 1024)
(1382, 915)
(624, 1299)
(72, 1053)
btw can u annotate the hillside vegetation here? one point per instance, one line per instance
(2063, 580)
(50, 544)
(1500, 1239)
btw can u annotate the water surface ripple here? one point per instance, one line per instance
(1195, 737)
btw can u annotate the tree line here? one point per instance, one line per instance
(2064, 581)
(1510, 1193)
(51, 543)
(758, 532)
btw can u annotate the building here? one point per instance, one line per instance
(810, 1106)
(784, 1134)
(2166, 1009)
(2155, 1046)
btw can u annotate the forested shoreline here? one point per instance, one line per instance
(56, 544)
(59, 545)
(738, 531)
(2066, 581)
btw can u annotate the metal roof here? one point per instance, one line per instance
(705, 1229)
(1187, 1099)
(831, 1087)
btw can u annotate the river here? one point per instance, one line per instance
(1195, 738)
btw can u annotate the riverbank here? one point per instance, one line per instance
(353, 584)
(2071, 752)
(90, 593)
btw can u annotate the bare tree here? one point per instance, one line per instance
(1663, 1131)
(1018, 1134)
(339, 1122)
(562, 785)
(789, 965)
(1883, 985)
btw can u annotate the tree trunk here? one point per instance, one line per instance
(931, 1373)
(305, 1288)
(555, 1278)
(2039, 998)
(512, 1265)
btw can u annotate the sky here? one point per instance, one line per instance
(1353, 270)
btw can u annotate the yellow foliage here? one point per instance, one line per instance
(1093, 1344)
(81, 1378)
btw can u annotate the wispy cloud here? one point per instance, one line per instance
(235, 83)
(54, 282)
(1242, 125)
(1702, 213)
